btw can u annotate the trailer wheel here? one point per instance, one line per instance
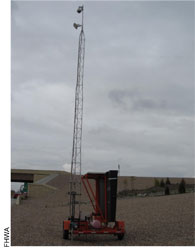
(66, 234)
(120, 236)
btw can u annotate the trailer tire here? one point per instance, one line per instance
(66, 234)
(120, 236)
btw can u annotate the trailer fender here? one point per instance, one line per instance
(66, 224)
(120, 225)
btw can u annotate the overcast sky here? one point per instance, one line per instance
(138, 86)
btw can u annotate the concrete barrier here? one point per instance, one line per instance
(18, 200)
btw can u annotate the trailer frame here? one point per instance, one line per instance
(78, 226)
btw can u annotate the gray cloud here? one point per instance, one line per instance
(138, 86)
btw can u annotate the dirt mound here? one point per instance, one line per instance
(61, 182)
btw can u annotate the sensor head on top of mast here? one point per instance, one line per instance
(80, 9)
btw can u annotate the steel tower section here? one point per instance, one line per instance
(75, 177)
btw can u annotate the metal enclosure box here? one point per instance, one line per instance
(108, 189)
(111, 189)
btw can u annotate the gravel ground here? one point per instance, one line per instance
(160, 221)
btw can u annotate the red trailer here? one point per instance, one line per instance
(103, 200)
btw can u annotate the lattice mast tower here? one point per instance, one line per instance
(75, 177)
